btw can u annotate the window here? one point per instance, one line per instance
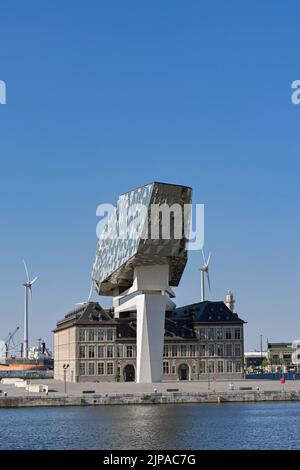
(91, 334)
(81, 334)
(173, 370)
(237, 333)
(228, 333)
(211, 367)
(120, 350)
(91, 352)
(201, 333)
(238, 366)
(101, 334)
(201, 349)
(109, 334)
(202, 367)
(166, 367)
(211, 349)
(91, 368)
(174, 350)
(237, 349)
(82, 352)
(110, 351)
(210, 333)
(110, 368)
(183, 350)
(192, 350)
(229, 350)
(219, 333)
(81, 368)
(101, 351)
(129, 351)
(166, 350)
(220, 350)
(228, 366)
(100, 368)
(220, 367)
(194, 369)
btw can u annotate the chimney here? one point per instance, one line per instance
(230, 300)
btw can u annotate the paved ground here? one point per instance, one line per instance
(56, 387)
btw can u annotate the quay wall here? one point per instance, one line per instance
(42, 400)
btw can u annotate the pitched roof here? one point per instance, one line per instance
(89, 313)
(207, 312)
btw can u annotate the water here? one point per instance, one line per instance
(191, 426)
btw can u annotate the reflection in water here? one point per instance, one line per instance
(203, 426)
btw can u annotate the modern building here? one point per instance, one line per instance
(141, 255)
(255, 361)
(279, 357)
(202, 341)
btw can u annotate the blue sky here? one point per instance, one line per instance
(106, 96)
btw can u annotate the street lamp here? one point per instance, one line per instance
(65, 368)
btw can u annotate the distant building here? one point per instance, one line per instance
(254, 360)
(279, 357)
(201, 341)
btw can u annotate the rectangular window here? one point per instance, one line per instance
(211, 367)
(220, 350)
(229, 350)
(228, 333)
(100, 368)
(81, 368)
(192, 350)
(202, 367)
(166, 367)
(91, 352)
(166, 350)
(229, 367)
(101, 351)
(101, 334)
(219, 333)
(109, 334)
(210, 333)
(110, 368)
(174, 350)
(173, 370)
(220, 367)
(81, 352)
(91, 334)
(238, 366)
(81, 334)
(237, 349)
(201, 333)
(237, 333)
(211, 350)
(201, 349)
(91, 368)
(129, 351)
(183, 350)
(110, 351)
(120, 350)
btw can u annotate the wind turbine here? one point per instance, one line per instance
(28, 295)
(204, 269)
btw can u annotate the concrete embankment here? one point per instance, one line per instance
(41, 400)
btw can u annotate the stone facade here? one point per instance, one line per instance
(202, 341)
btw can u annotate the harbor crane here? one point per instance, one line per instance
(10, 341)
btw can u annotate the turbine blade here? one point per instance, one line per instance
(203, 257)
(208, 259)
(26, 270)
(33, 280)
(208, 281)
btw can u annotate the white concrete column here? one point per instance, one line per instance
(150, 317)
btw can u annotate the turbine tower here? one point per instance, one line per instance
(28, 296)
(203, 270)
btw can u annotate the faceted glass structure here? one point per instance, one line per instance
(137, 234)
